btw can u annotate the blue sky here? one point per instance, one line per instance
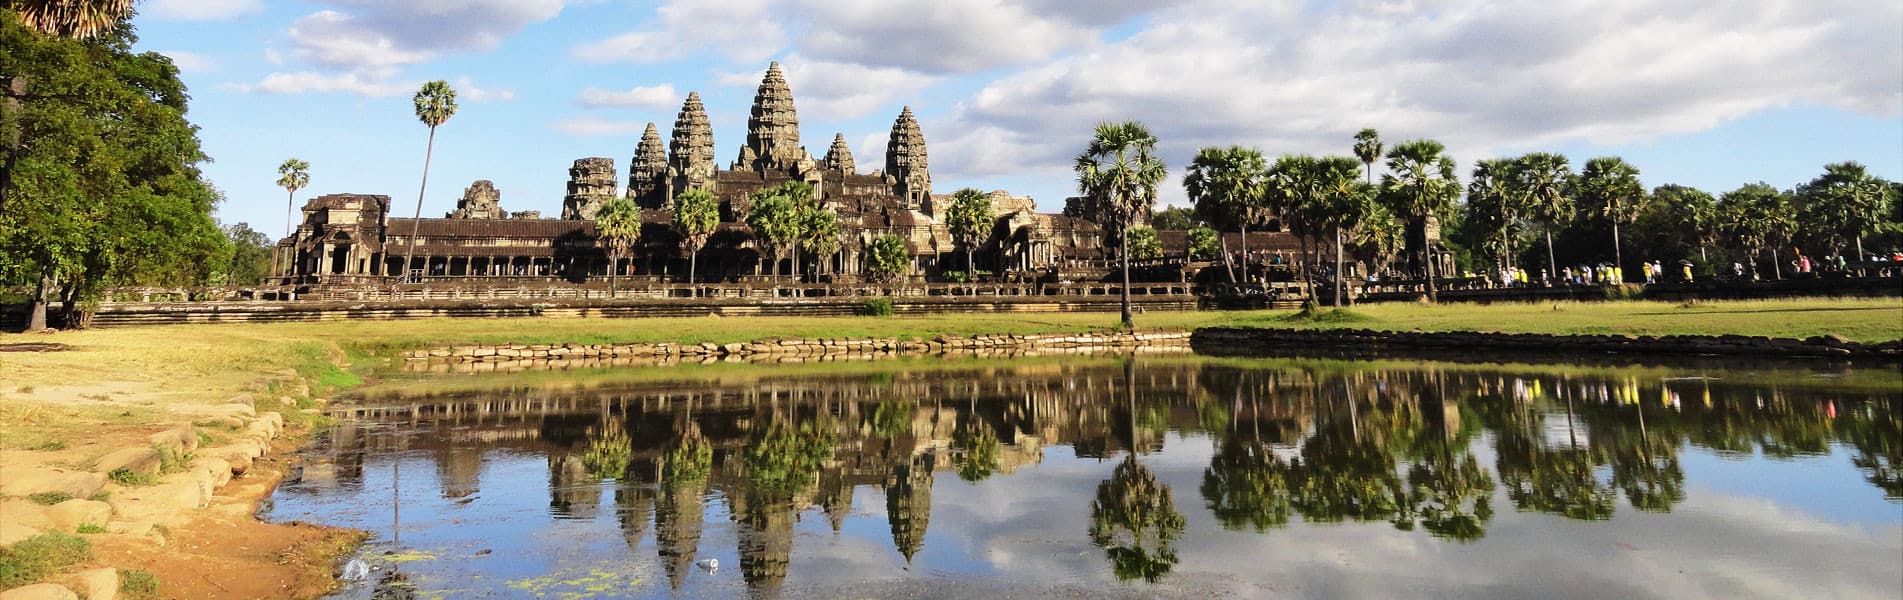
(1007, 90)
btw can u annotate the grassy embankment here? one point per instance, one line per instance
(127, 379)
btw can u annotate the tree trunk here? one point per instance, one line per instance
(1618, 259)
(614, 268)
(1859, 261)
(1552, 266)
(1776, 269)
(416, 222)
(1338, 265)
(693, 262)
(971, 273)
(1123, 248)
(1228, 261)
(290, 199)
(36, 320)
(1308, 279)
(1433, 296)
(1245, 252)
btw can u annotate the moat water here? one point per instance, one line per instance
(1111, 477)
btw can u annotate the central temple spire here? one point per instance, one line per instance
(773, 130)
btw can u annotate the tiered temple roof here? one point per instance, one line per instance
(691, 152)
(773, 129)
(839, 157)
(647, 172)
(905, 162)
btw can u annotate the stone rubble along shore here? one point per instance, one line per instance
(774, 348)
(1230, 340)
(141, 511)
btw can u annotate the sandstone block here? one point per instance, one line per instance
(100, 584)
(12, 532)
(137, 460)
(182, 438)
(39, 591)
(69, 515)
(26, 481)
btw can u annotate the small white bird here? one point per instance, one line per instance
(710, 565)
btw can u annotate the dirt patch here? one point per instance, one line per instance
(35, 347)
(225, 552)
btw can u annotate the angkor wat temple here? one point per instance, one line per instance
(346, 238)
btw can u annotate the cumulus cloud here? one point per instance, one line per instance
(745, 30)
(595, 126)
(369, 86)
(190, 62)
(199, 10)
(835, 90)
(655, 97)
(375, 34)
(1477, 75)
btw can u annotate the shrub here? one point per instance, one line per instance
(128, 477)
(878, 307)
(39, 556)
(91, 528)
(50, 498)
(138, 584)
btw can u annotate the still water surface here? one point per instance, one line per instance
(1146, 477)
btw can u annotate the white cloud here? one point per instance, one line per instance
(272, 56)
(595, 126)
(745, 30)
(656, 97)
(370, 86)
(468, 91)
(1474, 74)
(200, 10)
(190, 62)
(835, 90)
(377, 34)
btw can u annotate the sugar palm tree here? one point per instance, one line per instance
(1490, 199)
(1225, 184)
(1609, 188)
(293, 175)
(435, 104)
(1540, 180)
(1118, 173)
(970, 221)
(1843, 205)
(1419, 186)
(696, 214)
(71, 18)
(1346, 201)
(1368, 149)
(618, 227)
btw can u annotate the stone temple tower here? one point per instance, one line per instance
(839, 157)
(590, 182)
(647, 173)
(773, 130)
(905, 163)
(690, 155)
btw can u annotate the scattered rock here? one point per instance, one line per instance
(27, 481)
(69, 515)
(12, 531)
(100, 584)
(137, 460)
(182, 438)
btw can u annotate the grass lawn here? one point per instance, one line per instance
(125, 380)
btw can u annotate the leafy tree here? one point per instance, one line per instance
(887, 258)
(250, 255)
(1226, 187)
(979, 447)
(696, 214)
(1609, 189)
(1420, 185)
(1176, 218)
(1134, 519)
(1204, 244)
(1843, 205)
(1540, 182)
(819, 232)
(293, 175)
(1143, 243)
(1368, 150)
(970, 220)
(1757, 217)
(1490, 203)
(1691, 212)
(1246, 485)
(435, 104)
(103, 186)
(1289, 191)
(618, 227)
(775, 219)
(1118, 174)
(1344, 202)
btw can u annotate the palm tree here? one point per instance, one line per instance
(970, 220)
(435, 104)
(71, 18)
(1289, 189)
(1119, 172)
(1225, 184)
(1490, 200)
(1758, 217)
(1346, 201)
(1610, 189)
(1540, 182)
(1844, 204)
(293, 175)
(1419, 186)
(1368, 149)
(696, 214)
(618, 226)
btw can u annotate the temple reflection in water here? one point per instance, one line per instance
(1430, 449)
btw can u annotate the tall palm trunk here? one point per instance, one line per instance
(1776, 269)
(614, 269)
(289, 200)
(1244, 228)
(36, 319)
(1123, 248)
(1338, 263)
(416, 222)
(1433, 295)
(1308, 279)
(1552, 266)
(1228, 262)
(1859, 257)
(693, 263)
(1618, 259)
